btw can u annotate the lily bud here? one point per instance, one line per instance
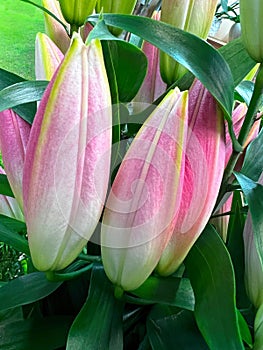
(251, 13)
(153, 85)
(53, 28)
(9, 206)
(47, 57)
(115, 6)
(75, 12)
(204, 167)
(253, 266)
(68, 158)
(193, 16)
(14, 135)
(138, 218)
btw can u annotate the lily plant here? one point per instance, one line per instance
(132, 180)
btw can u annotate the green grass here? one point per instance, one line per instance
(18, 27)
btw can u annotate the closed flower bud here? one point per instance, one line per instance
(193, 16)
(138, 218)
(67, 161)
(251, 14)
(75, 12)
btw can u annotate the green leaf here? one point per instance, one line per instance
(25, 290)
(48, 333)
(169, 328)
(253, 162)
(10, 234)
(238, 59)
(28, 110)
(5, 188)
(244, 329)
(212, 278)
(20, 93)
(254, 197)
(167, 290)
(244, 91)
(128, 61)
(235, 245)
(192, 52)
(99, 323)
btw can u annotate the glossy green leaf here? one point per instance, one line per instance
(167, 290)
(238, 59)
(10, 234)
(25, 290)
(5, 188)
(212, 277)
(169, 328)
(254, 197)
(195, 54)
(99, 323)
(21, 93)
(244, 329)
(235, 245)
(128, 61)
(244, 91)
(48, 333)
(27, 110)
(253, 162)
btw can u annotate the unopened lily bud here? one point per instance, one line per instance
(139, 216)
(14, 136)
(47, 57)
(204, 168)
(75, 12)
(53, 28)
(253, 265)
(251, 14)
(193, 16)
(115, 6)
(67, 161)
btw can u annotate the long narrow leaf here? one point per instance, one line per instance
(212, 277)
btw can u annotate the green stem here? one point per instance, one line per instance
(245, 129)
(54, 276)
(90, 258)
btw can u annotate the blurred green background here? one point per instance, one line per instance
(19, 23)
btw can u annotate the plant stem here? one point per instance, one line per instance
(245, 129)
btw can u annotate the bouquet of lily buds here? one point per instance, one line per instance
(131, 180)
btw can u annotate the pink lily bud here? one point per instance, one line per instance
(253, 265)
(54, 29)
(153, 85)
(47, 57)
(238, 116)
(193, 16)
(204, 167)
(68, 158)
(14, 135)
(138, 218)
(9, 206)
